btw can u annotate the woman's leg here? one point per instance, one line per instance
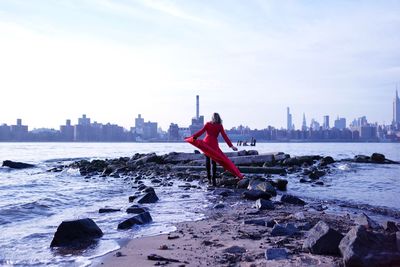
(208, 167)
(214, 171)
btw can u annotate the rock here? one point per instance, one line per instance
(219, 206)
(323, 240)
(362, 159)
(150, 197)
(132, 198)
(365, 248)
(155, 181)
(259, 222)
(291, 162)
(390, 227)
(136, 209)
(284, 230)
(243, 184)
(281, 184)
(139, 219)
(17, 165)
(366, 221)
(276, 254)
(256, 194)
(316, 174)
(261, 184)
(263, 204)
(108, 210)
(235, 250)
(155, 257)
(149, 190)
(76, 233)
(292, 200)
(326, 161)
(378, 158)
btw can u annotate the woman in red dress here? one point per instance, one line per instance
(210, 147)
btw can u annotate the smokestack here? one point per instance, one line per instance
(197, 107)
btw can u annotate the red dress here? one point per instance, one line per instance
(210, 146)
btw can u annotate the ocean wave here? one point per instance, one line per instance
(24, 211)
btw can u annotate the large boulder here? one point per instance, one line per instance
(139, 219)
(323, 240)
(255, 194)
(149, 197)
(365, 248)
(326, 161)
(378, 158)
(136, 209)
(17, 165)
(76, 233)
(292, 200)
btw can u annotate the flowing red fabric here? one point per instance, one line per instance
(215, 154)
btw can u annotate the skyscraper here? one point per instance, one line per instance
(289, 120)
(326, 122)
(396, 110)
(198, 121)
(304, 125)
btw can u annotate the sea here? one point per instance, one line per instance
(33, 202)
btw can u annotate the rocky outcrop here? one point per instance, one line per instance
(322, 239)
(76, 233)
(140, 219)
(370, 249)
(16, 165)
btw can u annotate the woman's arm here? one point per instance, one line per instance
(200, 132)
(226, 138)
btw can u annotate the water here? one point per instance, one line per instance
(33, 202)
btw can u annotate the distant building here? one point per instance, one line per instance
(5, 132)
(83, 131)
(368, 132)
(304, 124)
(67, 132)
(19, 132)
(340, 123)
(289, 120)
(326, 125)
(173, 132)
(396, 111)
(198, 121)
(139, 124)
(314, 125)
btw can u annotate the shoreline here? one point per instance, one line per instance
(234, 235)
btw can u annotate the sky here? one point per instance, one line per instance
(247, 59)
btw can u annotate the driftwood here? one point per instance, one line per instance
(251, 160)
(243, 169)
(179, 157)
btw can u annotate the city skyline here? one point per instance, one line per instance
(248, 61)
(198, 120)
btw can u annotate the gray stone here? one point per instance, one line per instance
(323, 240)
(17, 165)
(284, 230)
(243, 184)
(263, 204)
(276, 254)
(292, 200)
(136, 209)
(219, 206)
(378, 158)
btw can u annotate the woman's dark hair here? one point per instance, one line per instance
(216, 118)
